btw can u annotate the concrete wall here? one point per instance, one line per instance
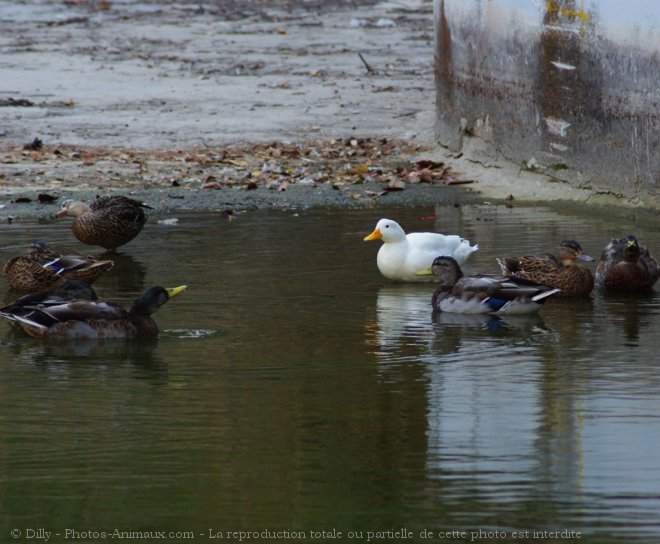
(573, 84)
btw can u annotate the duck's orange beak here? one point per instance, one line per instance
(375, 235)
(62, 212)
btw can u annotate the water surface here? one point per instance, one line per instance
(294, 388)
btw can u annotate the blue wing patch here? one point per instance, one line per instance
(494, 303)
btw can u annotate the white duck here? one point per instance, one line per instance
(403, 255)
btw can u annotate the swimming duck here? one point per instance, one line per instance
(403, 255)
(109, 221)
(483, 293)
(627, 265)
(69, 290)
(95, 318)
(42, 268)
(557, 269)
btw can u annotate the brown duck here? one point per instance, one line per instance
(109, 221)
(89, 317)
(557, 269)
(626, 265)
(43, 268)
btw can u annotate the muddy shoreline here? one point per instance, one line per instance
(352, 173)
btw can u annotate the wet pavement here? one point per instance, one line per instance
(151, 75)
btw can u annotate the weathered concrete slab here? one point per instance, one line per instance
(567, 87)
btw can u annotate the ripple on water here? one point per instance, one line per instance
(188, 333)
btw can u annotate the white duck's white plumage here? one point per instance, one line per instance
(403, 255)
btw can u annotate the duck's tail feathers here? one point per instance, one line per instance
(27, 321)
(10, 317)
(540, 298)
(506, 271)
(464, 250)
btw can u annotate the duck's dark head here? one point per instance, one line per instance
(631, 249)
(152, 299)
(446, 271)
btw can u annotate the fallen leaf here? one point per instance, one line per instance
(17, 102)
(213, 185)
(431, 165)
(237, 163)
(452, 181)
(34, 145)
(387, 89)
(44, 198)
(425, 175)
(358, 170)
(396, 185)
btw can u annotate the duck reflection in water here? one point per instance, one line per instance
(406, 327)
(126, 277)
(632, 311)
(72, 356)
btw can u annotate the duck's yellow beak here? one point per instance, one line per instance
(375, 235)
(174, 291)
(426, 272)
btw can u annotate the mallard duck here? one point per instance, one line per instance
(403, 255)
(483, 293)
(42, 268)
(109, 221)
(627, 266)
(69, 290)
(557, 269)
(95, 318)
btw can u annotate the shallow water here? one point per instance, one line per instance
(294, 388)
